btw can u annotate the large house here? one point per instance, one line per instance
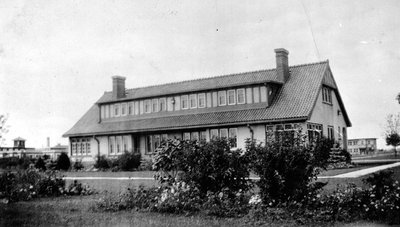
(237, 106)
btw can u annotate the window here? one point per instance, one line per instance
(193, 101)
(123, 109)
(327, 95)
(163, 105)
(314, 131)
(118, 144)
(111, 141)
(231, 97)
(240, 96)
(214, 134)
(155, 105)
(164, 138)
(331, 133)
(202, 100)
(149, 142)
(203, 135)
(127, 143)
(186, 136)
(350, 143)
(131, 108)
(157, 141)
(116, 110)
(195, 136)
(184, 102)
(221, 98)
(223, 133)
(147, 106)
(233, 137)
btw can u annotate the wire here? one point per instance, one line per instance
(312, 32)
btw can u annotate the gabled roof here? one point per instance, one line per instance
(294, 101)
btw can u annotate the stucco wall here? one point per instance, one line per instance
(327, 114)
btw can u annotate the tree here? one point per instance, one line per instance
(398, 97)
(3, 127)
(63, 162)
(392, 131)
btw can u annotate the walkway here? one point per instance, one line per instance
(363, 172)
(354, 174)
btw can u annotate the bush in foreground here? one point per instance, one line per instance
(129, 161)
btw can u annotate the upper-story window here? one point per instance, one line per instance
(116, 110)
(221, 98)
(147, 106)
(123, 109)
(193, 101)
(202, 100)
(231, 97)
(240, 96)
(130, 108)
(155, 105)
(327, 95)
(185, 102)
(163, 104)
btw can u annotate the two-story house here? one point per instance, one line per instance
(362, 146)
(237, 106)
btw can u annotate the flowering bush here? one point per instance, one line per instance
(29, 184)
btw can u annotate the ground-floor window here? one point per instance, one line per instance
(331, 134)
(281, 132)
(225, 133)
(314, 131)
(119, 144)
(80, 146)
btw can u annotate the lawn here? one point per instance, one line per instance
(77, 211)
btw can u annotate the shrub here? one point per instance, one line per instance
(287, 169)
(40, 164)
(63, 162)
(102, 163)
(146, 165)
(207, 166)
(78, 165)
(129, 161)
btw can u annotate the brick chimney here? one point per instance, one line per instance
(118, 90)
(282, 64)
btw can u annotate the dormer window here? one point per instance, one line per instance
(202, 100)
(162, 104)
(327, 95)
(184, 100)
(193, 101)
(240, 96)
(231, 97)
(147, 106)
(221, 98)
(116, 110)
(155, 105)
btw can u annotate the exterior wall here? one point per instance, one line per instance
(328, 114)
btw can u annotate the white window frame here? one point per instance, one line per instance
(183, 98)
(212, 132)
(220, 95)
(203, 96)
(244, 95)
(154, 102)
(126, 109)
(186, 136)
(162, 100)
(195, 101)
(147, 103)
(132, 105)
(234, 97)
(226, 133)
(118, 108)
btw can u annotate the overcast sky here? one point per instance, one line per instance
(57, 57)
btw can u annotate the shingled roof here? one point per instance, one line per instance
(295, 100)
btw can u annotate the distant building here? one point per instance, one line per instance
(236, 106)
(18, 150)
(362, 145)
(53, 152)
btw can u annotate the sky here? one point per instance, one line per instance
(57, 57)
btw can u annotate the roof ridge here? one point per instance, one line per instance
(203, 78)
(219, 76)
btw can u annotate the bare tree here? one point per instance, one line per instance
(392, 131)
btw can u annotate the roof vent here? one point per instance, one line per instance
(282, 64)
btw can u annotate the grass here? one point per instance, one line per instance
(77, 210)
